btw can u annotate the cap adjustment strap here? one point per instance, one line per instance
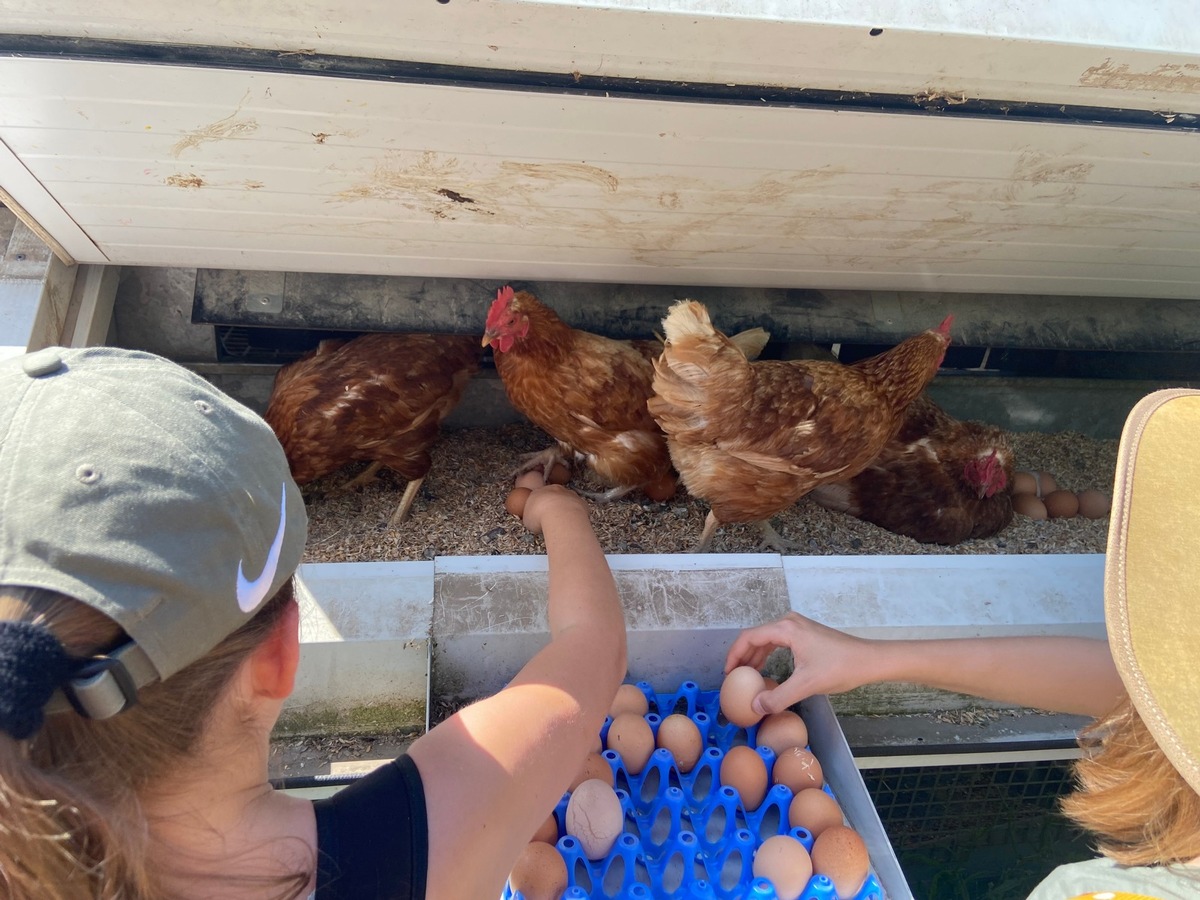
(106, 684)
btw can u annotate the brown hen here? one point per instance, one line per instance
(378, 397)
(938, 480)
(752, 438)
(586, 391)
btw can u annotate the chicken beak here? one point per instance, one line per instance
(487, 339)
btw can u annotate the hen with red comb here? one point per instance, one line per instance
(939, 480)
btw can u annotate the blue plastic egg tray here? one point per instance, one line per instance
(687, 836)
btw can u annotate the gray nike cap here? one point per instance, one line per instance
(133, 485)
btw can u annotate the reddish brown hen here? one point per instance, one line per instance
(752, 438)
(378, 397)
(938, 480)
(586, 391)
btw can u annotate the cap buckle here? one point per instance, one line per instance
(108, 684)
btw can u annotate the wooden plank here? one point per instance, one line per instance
(90, 314)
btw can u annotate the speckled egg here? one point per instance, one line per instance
(841, 856)
(679, 734)
(631, 736)
(539, 873)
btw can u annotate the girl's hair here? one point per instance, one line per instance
(71, 825)
(1130, 797)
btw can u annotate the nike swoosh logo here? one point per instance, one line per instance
(251, 593)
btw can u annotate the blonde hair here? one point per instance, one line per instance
(72, 827)
(1140, 809)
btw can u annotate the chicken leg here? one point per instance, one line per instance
(365, 477)
(770, 537)
(406, 502)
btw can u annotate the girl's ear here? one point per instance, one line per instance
(273, 664)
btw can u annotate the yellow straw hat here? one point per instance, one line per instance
(1151, 583)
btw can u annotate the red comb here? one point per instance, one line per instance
(944, 328)
(504, 296)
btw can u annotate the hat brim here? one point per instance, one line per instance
(1150, 594)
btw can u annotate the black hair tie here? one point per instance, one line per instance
(33, 664)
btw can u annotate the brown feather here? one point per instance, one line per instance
(588, 392)
(751, 438)
(917, 486)
(378, 397)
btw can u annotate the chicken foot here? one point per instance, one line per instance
(406, 502)
(770, 537)
(365, 477)
(545, 460)
(606, 496)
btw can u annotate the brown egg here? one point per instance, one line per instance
(798, 769)
(515, 502)
(1094, 504)
(629, 698)
(595, 818)
(841, 856)
(784, 862)
(1029, 505)
(679, 734)
(1024, 483)
(741, 686)
(594, 766)
(662, 489)
(744, 770)
(631, 736)
(782, 730)
(559, 474)
(1046, 484)
(548, 833)
(814, 810)
(1061, 504)
(540, 872)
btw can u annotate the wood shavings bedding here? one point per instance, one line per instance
(460, 511)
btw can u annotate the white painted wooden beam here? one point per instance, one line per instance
(35, 293)
(91, 309)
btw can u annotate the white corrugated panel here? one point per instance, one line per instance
(1101, 52)
(167, 165)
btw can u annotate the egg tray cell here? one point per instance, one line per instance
(687, 836)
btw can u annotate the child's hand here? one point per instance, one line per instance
(534, 482)
(547, 502)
